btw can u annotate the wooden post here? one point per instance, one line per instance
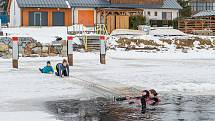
(70, 50)
(102, 50)
(15, 55)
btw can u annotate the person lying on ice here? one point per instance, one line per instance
(62, 69)
(48, 69)
(149, 97)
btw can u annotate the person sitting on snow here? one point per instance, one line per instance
(62, 69)
(48, 69)
(149, 97)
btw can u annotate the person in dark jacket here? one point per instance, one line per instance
(62, 69)
(149, 97)
(48, 69)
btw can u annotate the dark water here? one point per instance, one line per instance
(172, 108)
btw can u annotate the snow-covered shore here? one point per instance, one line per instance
(24, 90)
(163, 55)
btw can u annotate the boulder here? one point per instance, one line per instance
(3, 47)
(52, 49)
(185, 50)
(52, 54)
(213, 43)
(32, 45)
(45, 49)
(27, 51)
(64, 42)
(37, 50)
(64, 51)
(34, 55)
(7, 56)
(39, 44)
(44, 55)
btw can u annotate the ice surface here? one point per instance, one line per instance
(26, 116)
(23, 90)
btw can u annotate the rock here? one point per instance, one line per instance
(3, 47)
(21, 50)
(185, 50)
(45, 49)
(53, 50)
(34, 55)
(7, 56)
(39, 44)
(64, 42)
(32, 45)
(52, 54)
(44, 55)
(37, 50)
(213, 43)
(27, 50)
(64, 51)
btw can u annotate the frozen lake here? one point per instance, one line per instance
(186, 85)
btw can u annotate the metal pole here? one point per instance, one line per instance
(70, 50)
(15, 55)
(102, 50)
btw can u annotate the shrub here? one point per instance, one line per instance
(136, 20)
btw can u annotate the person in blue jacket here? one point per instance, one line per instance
(48, 69)
(62, 69)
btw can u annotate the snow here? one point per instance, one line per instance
(156, 33)
(166, 32)
(24, 90)
(173, 55)
(26, 116)
(41, 34)
(127, 32)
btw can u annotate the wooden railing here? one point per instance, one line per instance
(191, 25)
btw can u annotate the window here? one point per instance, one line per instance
(156, 13)
(213, 6)
(200, 6)
(58, 18)
(38, 19)
(194, 6)
(149, 14)
(209, 6)
(166, 15)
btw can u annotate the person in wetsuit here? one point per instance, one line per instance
(147, 97)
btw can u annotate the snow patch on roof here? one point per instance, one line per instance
(205, 13)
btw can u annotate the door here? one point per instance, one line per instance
(166, 16)
(86, 17)
(44, 18)
(58, 19)
(122, 22)
(37, 19)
